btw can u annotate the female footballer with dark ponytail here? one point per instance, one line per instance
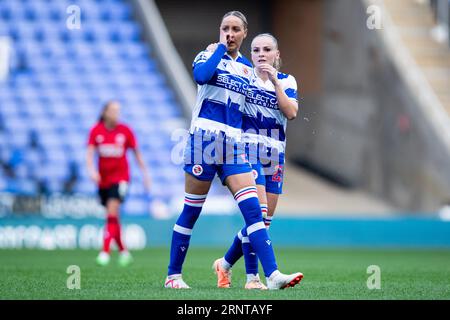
(111, 140)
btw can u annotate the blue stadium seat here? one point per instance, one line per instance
(12, 12)
(34, 159)
(18, 138)
(136, 206)
(54, 185)
(54, 170)
(51, 140)
(16, 124)
(3, 185)
(86, 187)
(27, 186)
(67, 76)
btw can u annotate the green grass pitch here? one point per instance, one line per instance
(329, 274)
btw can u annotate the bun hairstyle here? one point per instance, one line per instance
(278, 62)
(239, 15)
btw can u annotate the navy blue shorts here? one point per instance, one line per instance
(204, 158)
(271, 178)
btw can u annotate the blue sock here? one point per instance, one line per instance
(182, 231)
(247, 199)
(234, 253)
(250, 258)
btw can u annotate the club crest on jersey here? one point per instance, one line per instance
(245, 70)
(120, 139)
(197, 170)
(99, 138)
(255, 174)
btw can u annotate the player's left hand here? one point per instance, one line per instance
(271, 72)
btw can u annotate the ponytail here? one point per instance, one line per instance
(277, 64)
(101, 117)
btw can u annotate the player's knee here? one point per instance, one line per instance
(112, 206)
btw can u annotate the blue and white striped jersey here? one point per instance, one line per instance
(263, 121)
(220, 101)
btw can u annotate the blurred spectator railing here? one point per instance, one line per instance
(441, 10)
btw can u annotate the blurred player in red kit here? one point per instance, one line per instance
(111, 140)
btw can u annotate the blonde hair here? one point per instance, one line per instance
(277, 62)
(239, 15)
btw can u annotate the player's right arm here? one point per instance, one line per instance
(205, 64)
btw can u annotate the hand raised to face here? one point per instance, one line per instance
(224, 38)
(270, 70)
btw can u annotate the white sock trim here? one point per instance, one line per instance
(251, 277)
(194, 200)
(182, 230)
(246, 193)
(226, 265)
(255, 227)
(195, 196)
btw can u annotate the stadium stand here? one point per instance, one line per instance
(417, 24)
(58, 82)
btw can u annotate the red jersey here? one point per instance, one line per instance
(112, 146)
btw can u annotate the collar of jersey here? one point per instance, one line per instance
(239, 56)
